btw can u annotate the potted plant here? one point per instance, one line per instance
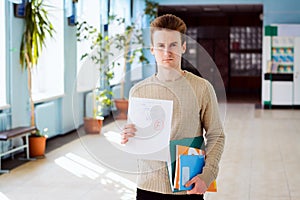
(101, 100)
(100, 46)
(37, 28)
(101, 51)
(37, 143)
(131, 37)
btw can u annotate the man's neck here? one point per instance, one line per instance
(167, 74)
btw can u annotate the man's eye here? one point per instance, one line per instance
(160, 47)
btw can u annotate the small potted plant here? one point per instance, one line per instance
(101, 95)
(37, 27)
(37, 143)
(101, 100)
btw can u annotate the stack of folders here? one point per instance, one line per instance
(187, 160)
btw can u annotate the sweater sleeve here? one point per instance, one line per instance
(214, 134)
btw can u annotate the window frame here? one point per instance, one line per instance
(3, 56)
(42, 83)
(84, 84)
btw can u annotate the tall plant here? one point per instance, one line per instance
(37, 27)
(100, 52)
(151, 9)
(133, 36)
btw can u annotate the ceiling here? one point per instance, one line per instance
(202, 9)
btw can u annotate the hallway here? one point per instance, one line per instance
(260, 162)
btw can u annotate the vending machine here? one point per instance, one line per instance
(281, 66)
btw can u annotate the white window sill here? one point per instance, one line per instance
(84, 90)
(43, 98)
(3, 107)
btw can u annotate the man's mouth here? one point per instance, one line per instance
(167, 59)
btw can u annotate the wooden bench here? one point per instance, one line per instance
(22, 132)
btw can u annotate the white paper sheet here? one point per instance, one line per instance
(152, 119)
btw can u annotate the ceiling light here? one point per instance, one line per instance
(210, 9)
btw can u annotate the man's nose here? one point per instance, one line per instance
(167, 50)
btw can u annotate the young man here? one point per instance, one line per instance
(195, 109)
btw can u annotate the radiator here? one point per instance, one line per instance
(45, 117)
(3, 121)
(4, 145)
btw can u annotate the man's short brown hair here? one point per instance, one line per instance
(171, 22)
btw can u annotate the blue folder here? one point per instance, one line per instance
(195, 142)
(190, 166)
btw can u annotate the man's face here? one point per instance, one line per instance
(167, 48)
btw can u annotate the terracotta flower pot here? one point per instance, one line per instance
(122, 106)
(92, 125)
(37, 146)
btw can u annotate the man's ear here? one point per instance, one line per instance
(152, 50)
(184, 47)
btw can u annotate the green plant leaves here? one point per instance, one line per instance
(37, 26)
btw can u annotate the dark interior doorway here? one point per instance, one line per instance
(232, 35)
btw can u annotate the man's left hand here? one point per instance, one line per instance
(199, 186)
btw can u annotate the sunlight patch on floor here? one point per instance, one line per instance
(75, 168)
(113, 137)
(81, 167)
(3, 197)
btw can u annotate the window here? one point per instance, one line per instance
(121, 10)
(48, 75)
(124, 10)
(3, 102)
(87, 72)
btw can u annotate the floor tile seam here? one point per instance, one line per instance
(250, 174)
(285, 170)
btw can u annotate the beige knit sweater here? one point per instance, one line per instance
(195, 108)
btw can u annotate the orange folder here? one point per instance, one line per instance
(184, 150)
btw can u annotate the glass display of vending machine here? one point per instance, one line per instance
(281, 66)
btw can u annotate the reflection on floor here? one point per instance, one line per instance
(260, 161)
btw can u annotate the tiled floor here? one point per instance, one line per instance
(260, 162)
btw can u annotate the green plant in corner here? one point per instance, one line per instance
(99, 44)
(99, 53)
(37, 28)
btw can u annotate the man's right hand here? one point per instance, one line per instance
(127, 132)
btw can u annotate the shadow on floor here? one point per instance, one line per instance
(52, 144)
